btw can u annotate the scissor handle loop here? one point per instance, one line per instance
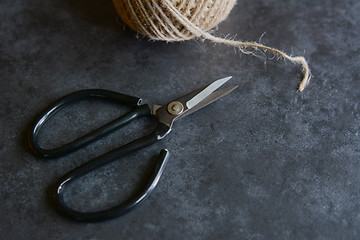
(94, 135)
(90, 166)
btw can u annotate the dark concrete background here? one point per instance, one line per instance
(266, 162)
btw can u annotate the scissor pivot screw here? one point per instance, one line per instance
(175, 108)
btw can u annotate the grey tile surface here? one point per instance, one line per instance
(265, 162)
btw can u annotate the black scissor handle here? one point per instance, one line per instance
(107, 95)
(140, 110)
(92, 165)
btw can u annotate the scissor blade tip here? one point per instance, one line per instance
(221, 81)
(225, 79)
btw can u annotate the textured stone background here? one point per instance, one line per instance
(265, 162)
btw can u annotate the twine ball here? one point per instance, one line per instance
(159, 19)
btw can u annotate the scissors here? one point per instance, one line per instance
(165, 115)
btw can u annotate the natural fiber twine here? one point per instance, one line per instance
(179, 20)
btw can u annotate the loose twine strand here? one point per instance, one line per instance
(163, 27)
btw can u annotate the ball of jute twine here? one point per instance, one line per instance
(179, 20)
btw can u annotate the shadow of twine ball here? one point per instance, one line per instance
(159, 19)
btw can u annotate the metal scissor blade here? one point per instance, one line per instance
(190, 102)
(208, 100)
(208, 90)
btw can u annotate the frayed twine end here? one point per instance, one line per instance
(253, 47)
(306, 71)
